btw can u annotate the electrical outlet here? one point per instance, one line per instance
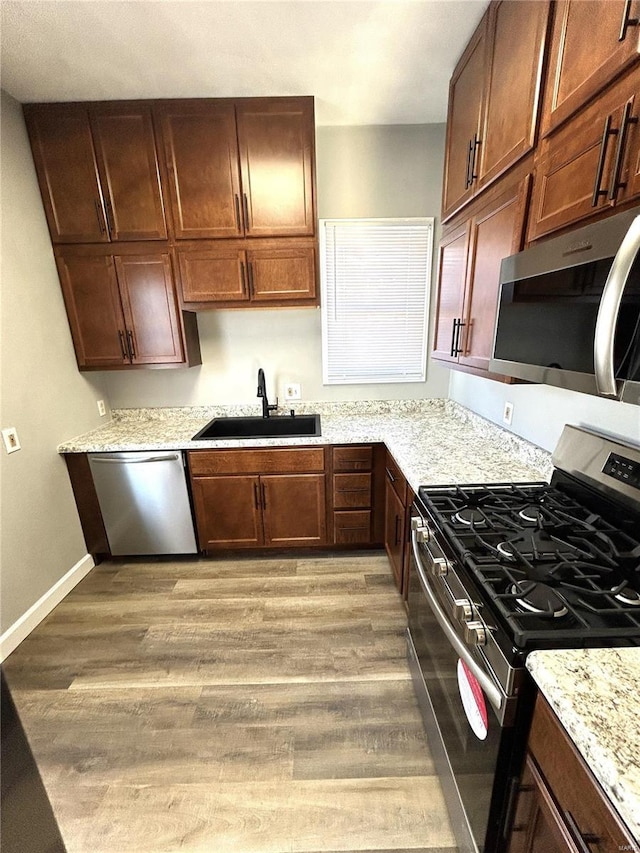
(101, 409)
(292, 391)
(10, 438)
(507, 415)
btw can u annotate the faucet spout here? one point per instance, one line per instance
(267, 408)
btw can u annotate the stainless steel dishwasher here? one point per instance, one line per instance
(144, 502)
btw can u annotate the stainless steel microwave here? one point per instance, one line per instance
(569, 311)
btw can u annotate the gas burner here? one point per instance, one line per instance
(627, 595)
(470, 516)
(538, 598)
(531, 513)
(536, 545)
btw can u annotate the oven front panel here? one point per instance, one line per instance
(466, 764)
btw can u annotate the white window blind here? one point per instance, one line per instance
(375, 276)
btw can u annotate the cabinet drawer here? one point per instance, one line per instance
(395, 476)
(351, 490)
(577, 793)
(357, 458)
(272, 461)
(352, 528)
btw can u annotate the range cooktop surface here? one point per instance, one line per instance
(547, 564)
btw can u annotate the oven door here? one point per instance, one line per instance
(472, 748)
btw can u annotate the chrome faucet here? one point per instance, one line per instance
(262, 392)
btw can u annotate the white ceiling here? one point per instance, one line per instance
(365, 61)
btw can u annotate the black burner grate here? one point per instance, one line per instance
(514, 537)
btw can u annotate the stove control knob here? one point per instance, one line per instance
(439, 567)
(422, 531)
(462, 609)
(475, 634)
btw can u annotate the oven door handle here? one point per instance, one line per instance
(494, 694)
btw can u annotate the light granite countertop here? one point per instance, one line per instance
(433, 441)
(594, 693)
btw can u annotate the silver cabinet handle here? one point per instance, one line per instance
(610, 308)
(119, 461)
(494, 695)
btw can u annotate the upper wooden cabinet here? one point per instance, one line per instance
(592, 42)
(123, 310)
(470, 256)
(97, 170)
(463, 123)
(248, 272)
(276, 139)
(201, 150)
(240, 168)
(493, 99)
(591, 163)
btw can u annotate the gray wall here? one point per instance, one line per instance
(362, 171)
(43, 395)
(540, 412)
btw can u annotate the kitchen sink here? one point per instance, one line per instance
(257, 427)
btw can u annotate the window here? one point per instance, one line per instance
(375, 276)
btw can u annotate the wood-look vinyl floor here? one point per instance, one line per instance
(231, 706)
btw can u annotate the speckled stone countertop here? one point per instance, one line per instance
(594, 693)
(433, 441)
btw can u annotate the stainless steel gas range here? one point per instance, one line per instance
(497, 571)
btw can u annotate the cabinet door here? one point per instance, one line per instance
(495, 234)
(150, 311)
(537, 825)
(575, 168)
(67, 172)
(516, 46)
(592, 42)
(227, 512)
(126, 154)
(215, 274)
(276, 141)
(394, 532)
(201, 150)
(294, 509)
(451, 280)
(282, 275)
(92, 299)
(463, 124)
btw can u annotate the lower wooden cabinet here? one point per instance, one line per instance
(254, 498)
(123, 310)
(561, 808)
(397, 504)
(356, 494)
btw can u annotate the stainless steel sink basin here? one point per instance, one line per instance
(256, 427)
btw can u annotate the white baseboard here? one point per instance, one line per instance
(20, 629)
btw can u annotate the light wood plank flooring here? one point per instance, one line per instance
(231, 706)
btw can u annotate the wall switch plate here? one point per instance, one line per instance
(507, 415)
(101, 408)
(10, 438)
(292, 391)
